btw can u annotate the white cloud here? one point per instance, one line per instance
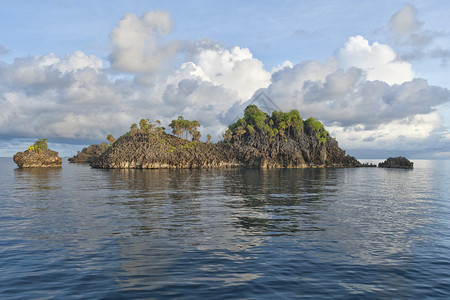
(235, 69)
(285, 64)
(415, 42)
(404, 134)
(379, 61)
(405, 22)
(137, 45)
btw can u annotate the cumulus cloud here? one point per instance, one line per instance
(415, 42)
(56, 97)
(235, 69)
(137, 44)
(405, 22)
(379, 61)
(347, 97)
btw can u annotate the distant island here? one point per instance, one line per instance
(257, 140)
(399, 162)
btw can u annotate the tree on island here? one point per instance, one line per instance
(134, 129)
(147, 127)
(275, 127)
(39, 146)
(180, 126)
(110, 138)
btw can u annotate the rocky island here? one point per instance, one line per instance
(38, 156)
(257, 140)
(396, 162)
(89, 154)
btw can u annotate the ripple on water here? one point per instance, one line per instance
(321, 233)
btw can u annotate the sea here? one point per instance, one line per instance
(358, 233)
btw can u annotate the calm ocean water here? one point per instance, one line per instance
(85, 233)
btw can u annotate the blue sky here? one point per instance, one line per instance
(375, 72)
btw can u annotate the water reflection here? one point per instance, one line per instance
(177, 211)
(38, 179)
(321, 232)
(281, 201)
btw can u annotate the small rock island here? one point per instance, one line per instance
(38, 156)
(396, 162)
(257, 140)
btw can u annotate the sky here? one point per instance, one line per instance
(374, 72)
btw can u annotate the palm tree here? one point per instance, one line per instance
(110, 139)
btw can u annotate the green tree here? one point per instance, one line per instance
(39, 145)
(134, 129)
(316, 126)
(196, 136)
(228, 135)
(110, 139)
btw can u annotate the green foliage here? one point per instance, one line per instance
(255, 120)
(147, 127)
(39, 146)
(134, 129)
(110, 138)
(180, 126)
(228, 135)
(317, 127)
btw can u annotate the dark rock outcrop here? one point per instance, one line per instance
(255, 150)
(89, 154)
(163, 151)
(295, 151)
(396, 162)
(37, 159)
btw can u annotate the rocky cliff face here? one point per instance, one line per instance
(37, 159)
(163, 151)
(284, 140)
(301, 149)
(89, 154)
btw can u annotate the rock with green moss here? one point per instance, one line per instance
(38, 156)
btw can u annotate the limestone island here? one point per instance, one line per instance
(396, 162)
(38, 156)
(257, 140)
(89, 154)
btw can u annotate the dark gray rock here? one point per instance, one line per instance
(396, 162)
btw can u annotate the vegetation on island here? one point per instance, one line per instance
(37, 155)
(110, 138)
(277, 126)
(39, 145)
(189, 128)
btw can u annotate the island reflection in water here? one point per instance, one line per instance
(236, 233)
(232, 215)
